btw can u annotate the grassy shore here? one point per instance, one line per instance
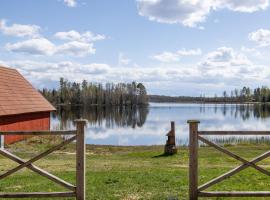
(131, 173)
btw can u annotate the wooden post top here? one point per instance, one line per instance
(172, 125)
(193, 121)
(80, 121)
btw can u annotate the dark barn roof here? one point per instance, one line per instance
(18, 96)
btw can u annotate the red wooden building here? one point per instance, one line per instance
(22, 107)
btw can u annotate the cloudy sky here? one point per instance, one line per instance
(175, 47)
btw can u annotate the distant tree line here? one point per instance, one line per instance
(89, 93)
(246, 94)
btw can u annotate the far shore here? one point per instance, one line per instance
(167, 102)
(213, 102)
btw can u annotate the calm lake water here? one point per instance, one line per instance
(149, 125)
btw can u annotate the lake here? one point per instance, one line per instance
(149, 125)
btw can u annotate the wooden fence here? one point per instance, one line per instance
(77, 191)
(196, 191)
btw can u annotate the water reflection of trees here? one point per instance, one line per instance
(120, 116)
(244, 111)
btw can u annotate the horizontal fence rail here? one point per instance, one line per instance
(234, 194)
(39, 133)
(77, 191)
(234, 132)
(38, 195)
(196, 191)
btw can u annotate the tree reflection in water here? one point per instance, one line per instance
(122, 125)
(120, 116)
(244, 111)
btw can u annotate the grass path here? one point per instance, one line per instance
(132, 173)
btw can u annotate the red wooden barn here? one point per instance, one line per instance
(22, 107)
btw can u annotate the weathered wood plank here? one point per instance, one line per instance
(80, 160)
(234, 133)
(235, 194)
(38, 170)
(37, 194)
(37, 157)
(72, 132)
(193, 159)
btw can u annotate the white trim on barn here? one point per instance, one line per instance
(1, 142)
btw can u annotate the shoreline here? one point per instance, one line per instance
(192, 102)
(164, 102)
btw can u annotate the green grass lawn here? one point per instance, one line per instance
(131, 173)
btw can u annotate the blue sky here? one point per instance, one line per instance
(175, 47)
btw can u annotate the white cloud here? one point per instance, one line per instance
(191, 12)
(251, 51)
(73, 35)
(38, 46)
(174, 57)
(225, 56)
(192, 52)
(261, 37)
(218, 70)
(248, 50)
(42, 46)
(167, 57)
(77, 44)
(224, 62)
(122, 60)
(41, 73)
(188, 13)
(76, 48)
(19, 30)
(231, 68)
(70, 3)
(248, 6)
(47, 74)
(223, 65)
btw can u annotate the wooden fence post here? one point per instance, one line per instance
(193, 159)
(173, 127)
(80, 159)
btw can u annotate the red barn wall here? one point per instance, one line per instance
(24, 122)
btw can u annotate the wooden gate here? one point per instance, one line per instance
(77, 191)
(196, 191)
